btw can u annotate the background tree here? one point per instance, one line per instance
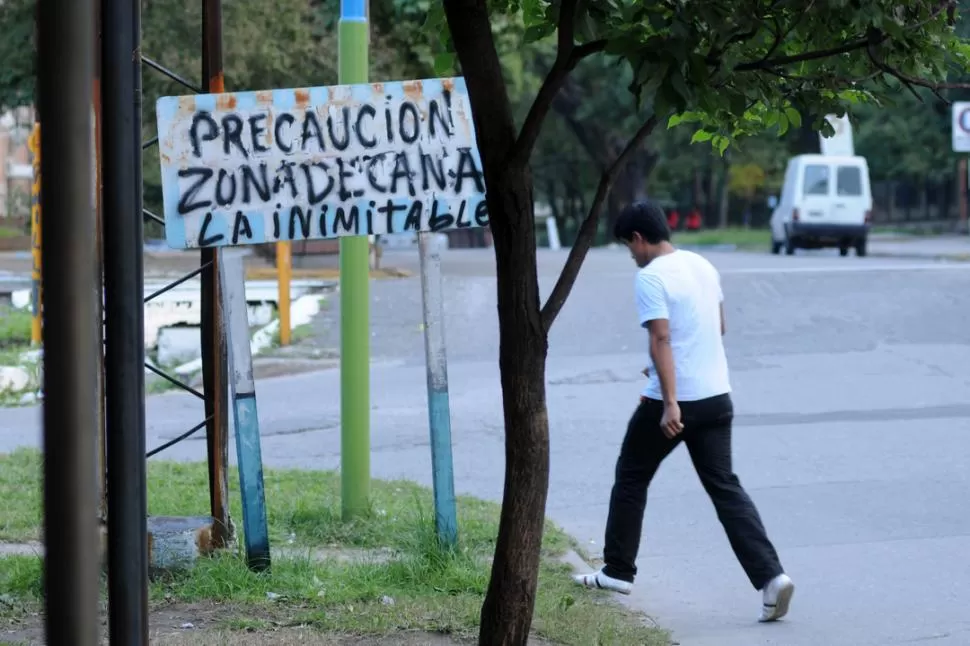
(729, 68)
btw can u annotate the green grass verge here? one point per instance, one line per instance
(14, 327)
(418, 587)
(743, 238)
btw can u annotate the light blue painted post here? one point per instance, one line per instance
(439, 409)
(245, 418)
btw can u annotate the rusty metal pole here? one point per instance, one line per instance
(124, 293)
(214, 351)
(65, 47)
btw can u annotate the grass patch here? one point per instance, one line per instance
(14, 326)
(739, 236)
(416, 586)
(10, 232)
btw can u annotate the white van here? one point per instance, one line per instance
(826, 201)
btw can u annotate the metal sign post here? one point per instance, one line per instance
(439, 406)
(232, 287)
(960, 137)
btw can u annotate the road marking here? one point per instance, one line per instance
(847, 269)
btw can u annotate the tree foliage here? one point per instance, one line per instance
(730, 70)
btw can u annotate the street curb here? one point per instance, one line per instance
(579, 564)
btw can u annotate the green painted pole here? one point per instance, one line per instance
(354, 302)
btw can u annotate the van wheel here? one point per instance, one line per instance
(860, 247)
(775, 247)
(843, 250)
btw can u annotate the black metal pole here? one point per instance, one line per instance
(65, 64)
(124, 322)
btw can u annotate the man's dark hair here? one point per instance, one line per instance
(645, 218)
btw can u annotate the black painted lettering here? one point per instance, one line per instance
(434, 114)
(343, 194)
(432, 168)
(408, 112)
(323, 221)
(255, 130)
(361, 130)
(413, 221)
(225, 188)
(459, 222)
(347, 219)
(313, 196)
(297, 215)
(371, 178)
(200, 118)
(389, 124)
(481, 214)
(340, 144)
(276, 223)
(204, 239)
(260, 184)
(438, 221)
(311, 130)
(388, 209)
(402, 170)
(241, 227)
(232, 128)
(468, 168)
(187, 200)
(369, 217)
(284, 175)
(278, 137)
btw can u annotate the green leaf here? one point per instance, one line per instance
(701, 135)
(794, 117)
(444, 64)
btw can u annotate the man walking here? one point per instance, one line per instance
(687, 398)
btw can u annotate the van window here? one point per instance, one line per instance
(848, 181)
(816, 180)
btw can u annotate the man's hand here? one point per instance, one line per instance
(670, 422)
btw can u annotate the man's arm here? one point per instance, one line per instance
(663, 358)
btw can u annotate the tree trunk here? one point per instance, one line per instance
(506, 616)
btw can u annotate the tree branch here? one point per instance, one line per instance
(807, 56)
(587, 230)
(567, 57)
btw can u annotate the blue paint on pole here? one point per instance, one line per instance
(353, 9)
(250, 460)
(443, 476)
(439, 409)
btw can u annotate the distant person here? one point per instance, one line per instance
(673, 219)
(687, 398)
(694, 220)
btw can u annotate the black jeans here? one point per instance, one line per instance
(707, 434)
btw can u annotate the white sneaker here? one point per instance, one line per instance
(776, 598)
(599, 581)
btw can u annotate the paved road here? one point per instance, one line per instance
(853, 434)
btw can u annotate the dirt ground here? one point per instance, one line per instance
(203, 625)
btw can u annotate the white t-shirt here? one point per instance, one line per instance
(684, 288)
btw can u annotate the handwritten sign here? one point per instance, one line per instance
(254, 167)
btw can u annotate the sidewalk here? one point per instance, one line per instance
(944, 247)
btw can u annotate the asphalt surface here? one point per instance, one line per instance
(851, 379)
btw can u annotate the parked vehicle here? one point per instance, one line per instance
(826, 201)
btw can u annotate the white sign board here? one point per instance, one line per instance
(961, 127)
(254, 167)
(840, 144)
